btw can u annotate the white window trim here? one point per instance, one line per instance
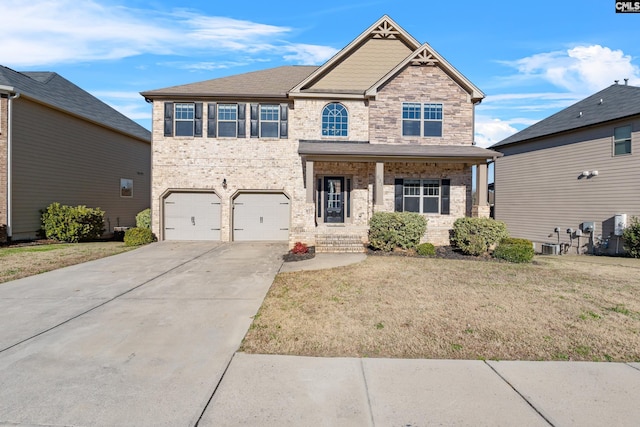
(219, 120)
(421, 195)
(176, 119)
(421, 120)
(630, 139)
(346, 112)
(261, 121)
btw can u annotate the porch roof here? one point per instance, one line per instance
(363, 151)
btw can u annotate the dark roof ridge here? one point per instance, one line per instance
(611, 103)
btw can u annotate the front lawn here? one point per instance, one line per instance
(17, 261)
(558, 308)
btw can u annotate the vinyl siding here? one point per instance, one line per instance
(538, 185)
(60, 158)
(365, 66)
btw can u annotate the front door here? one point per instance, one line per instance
(334, 199)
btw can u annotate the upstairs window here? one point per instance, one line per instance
(269, 121)
(335, 120)
(622, 141)
(184, 116)
(421, 119)
(227, 120)
(183, 119)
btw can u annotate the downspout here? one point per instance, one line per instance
(16, 95)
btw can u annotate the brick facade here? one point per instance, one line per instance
(421, 84)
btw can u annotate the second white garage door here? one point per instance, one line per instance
(192, 216)
(261, 216)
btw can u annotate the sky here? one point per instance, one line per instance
(531, 59)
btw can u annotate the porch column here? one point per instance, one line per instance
(481, 208)
(309, 181)
(379, 185)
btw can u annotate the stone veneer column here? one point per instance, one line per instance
(379, 185)
(481, 208)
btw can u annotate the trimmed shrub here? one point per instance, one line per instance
(631, 236)
(514, 250)
(426, 249)
(390, 230)
(72, 224)
(143, 219)
(138, 236)
(474, 236)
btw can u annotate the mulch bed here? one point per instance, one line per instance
(291, 257)
(442, 252)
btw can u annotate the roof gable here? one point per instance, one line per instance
(378, 49)
(615, 102)
(54, 90)
(425, 55)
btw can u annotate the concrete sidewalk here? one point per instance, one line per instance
(264, 390)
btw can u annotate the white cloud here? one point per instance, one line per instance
(42, 32)
(581, 70)
(490, 130)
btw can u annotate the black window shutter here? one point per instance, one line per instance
(254, 121)
(445, 192)
(168, 119)
(284, 120)
(399, 184)
(242, 120)
(211, 120)
(197, 124)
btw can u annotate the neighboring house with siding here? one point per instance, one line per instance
(581, 165)
(300, 153)
(58, 143)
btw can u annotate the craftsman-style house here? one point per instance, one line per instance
(300, 153)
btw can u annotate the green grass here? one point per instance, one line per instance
(28, 249)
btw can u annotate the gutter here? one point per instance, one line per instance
(12, 94)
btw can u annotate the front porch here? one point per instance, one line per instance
(347, 182)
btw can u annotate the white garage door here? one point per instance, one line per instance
(192, 216)
(261, 216)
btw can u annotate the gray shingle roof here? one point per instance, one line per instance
(272, 82)
(53, 89)
(400, 151)
(618, 101)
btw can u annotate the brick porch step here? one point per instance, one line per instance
(339, 243)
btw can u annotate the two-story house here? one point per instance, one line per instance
(299, 153)
(573, 177)
(58, 143)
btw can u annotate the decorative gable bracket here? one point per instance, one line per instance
(424, 57)
(385, 31)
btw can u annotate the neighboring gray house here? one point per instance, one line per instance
(310, 153)
(577, 167)
(58, 143)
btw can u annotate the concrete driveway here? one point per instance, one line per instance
(136, 339)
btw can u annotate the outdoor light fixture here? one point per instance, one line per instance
(224, 182)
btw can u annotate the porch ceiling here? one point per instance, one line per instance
(366, 152)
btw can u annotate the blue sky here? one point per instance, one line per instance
(530, 58)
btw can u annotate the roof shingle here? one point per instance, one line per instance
(272, 82)
(53, 89)
(615, 102)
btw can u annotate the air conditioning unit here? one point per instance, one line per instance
(550, 249)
